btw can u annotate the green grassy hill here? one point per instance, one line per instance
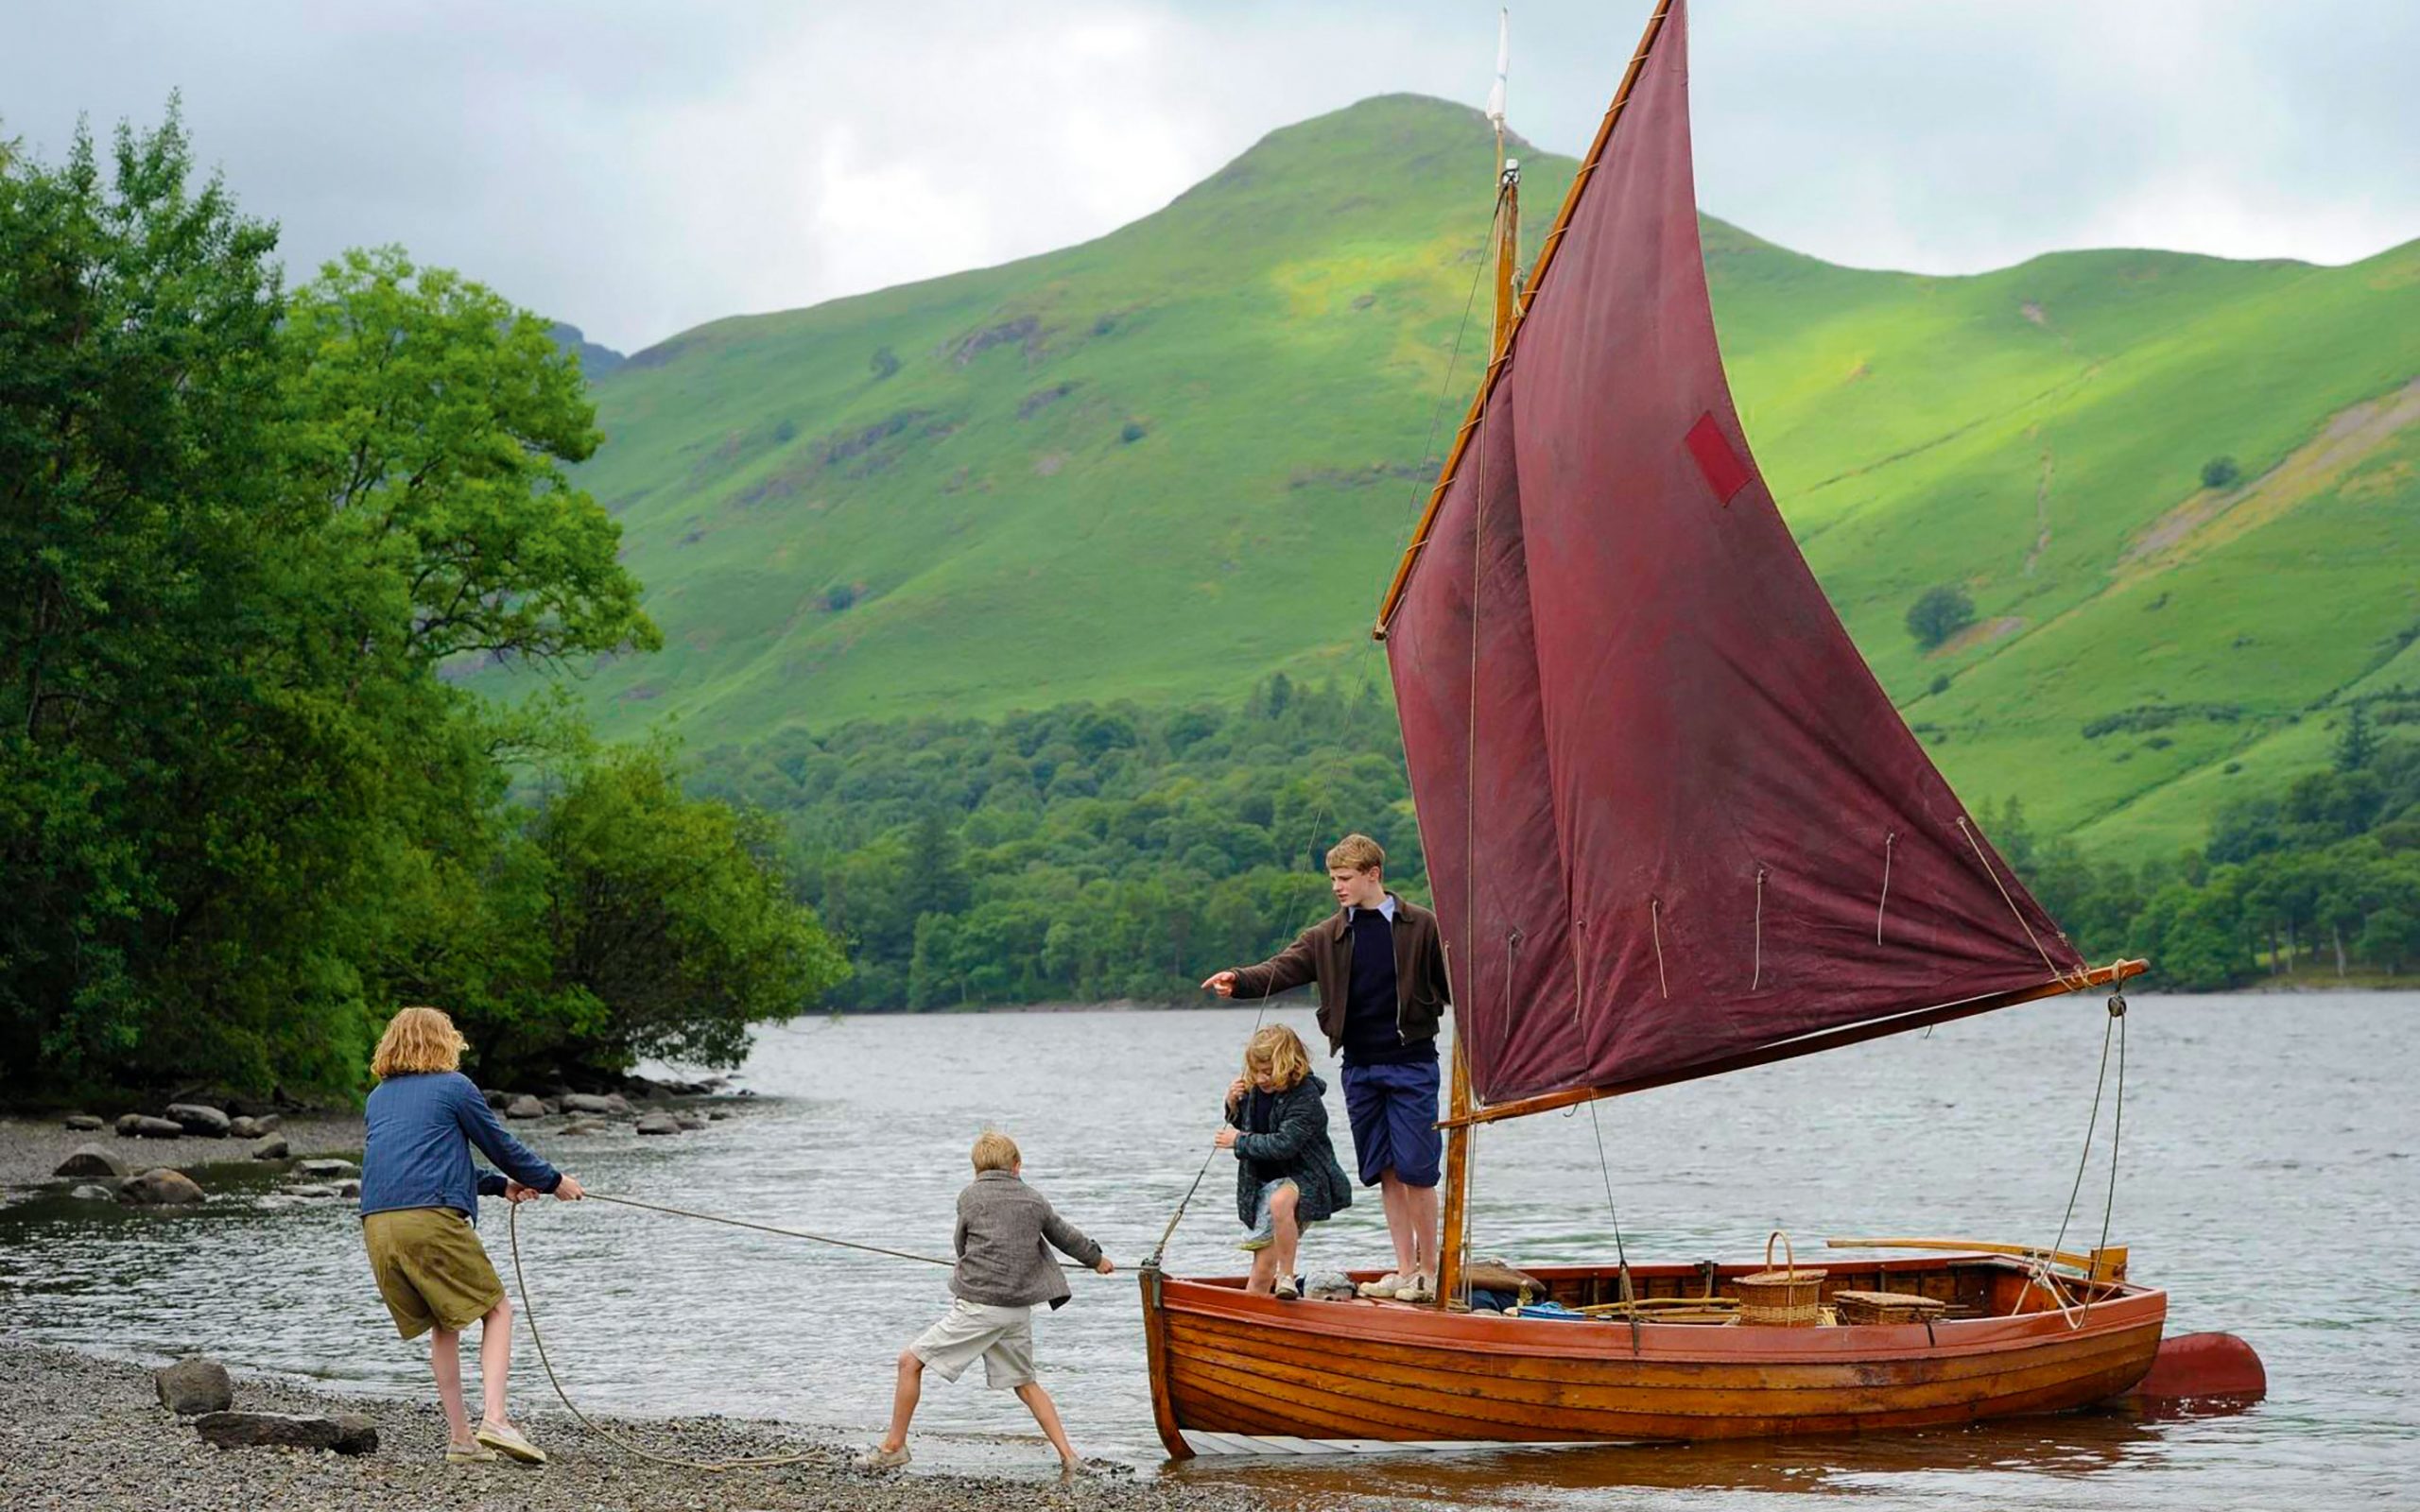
(1167, 462)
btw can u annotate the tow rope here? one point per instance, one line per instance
(521, 1281)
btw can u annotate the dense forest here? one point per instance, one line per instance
(1095, 852)
(1083, 853)
(243, 530)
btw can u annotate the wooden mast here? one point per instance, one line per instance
(1454, 1225)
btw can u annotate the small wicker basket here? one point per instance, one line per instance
(1787, 1297)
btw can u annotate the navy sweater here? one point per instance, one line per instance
(416, 1146)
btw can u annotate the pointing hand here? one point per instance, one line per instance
(1222, 982)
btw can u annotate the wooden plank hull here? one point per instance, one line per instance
(1226, 1364)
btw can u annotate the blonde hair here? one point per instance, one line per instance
(995, 1151)
(417, 1039)
(1356, 852)
(1279, 1051)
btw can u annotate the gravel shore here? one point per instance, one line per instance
(88, 1434)
(31, 1148)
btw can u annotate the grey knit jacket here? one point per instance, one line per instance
(1002, 1260)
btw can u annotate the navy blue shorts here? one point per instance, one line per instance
(1394, 1111)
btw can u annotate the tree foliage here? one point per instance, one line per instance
(240, 811)
(1081, 853)
(1939, 613)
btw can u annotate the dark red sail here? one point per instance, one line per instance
(1671, 820)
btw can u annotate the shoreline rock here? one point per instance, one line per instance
(162, 1188)
(91, 1160)
(200, 1120)
(193, 1386)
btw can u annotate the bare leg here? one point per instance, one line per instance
(1422, 1204)
(445, 1362)
(1290, 1234)
(1046, 1412)
(1397, 1200)
(902, 1398)
(496, 1360)
(1264, 1271)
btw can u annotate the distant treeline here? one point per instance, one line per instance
(2323, 875)
(241, 816)
(1087, 853)
(1081, 854)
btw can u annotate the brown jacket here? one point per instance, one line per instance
(1324, 953)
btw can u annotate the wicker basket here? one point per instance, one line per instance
(1787, 1297)
(1886, 1307)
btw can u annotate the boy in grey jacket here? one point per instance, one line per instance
(1003, 1269)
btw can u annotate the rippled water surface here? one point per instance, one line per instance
(2268, 1179)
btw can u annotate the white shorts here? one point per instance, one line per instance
(1001, 1336)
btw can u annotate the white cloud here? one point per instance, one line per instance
(637, 169)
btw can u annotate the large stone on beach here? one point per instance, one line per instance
(583, 1125)
(91, 1160)
(328, 1170)
(200, 1119)
(160, 1188)
(271, 1148)
(85, 1123)
(191, 1387)
(345, 1433)
(609, 1105)
(525, 1106)
(690, 1122)
(89, 1191)
(240, 1128)
(142, 1126)
(659, 1124)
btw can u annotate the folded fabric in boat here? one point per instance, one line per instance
(1551, 1310)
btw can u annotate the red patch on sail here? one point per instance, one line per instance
(1724, 473)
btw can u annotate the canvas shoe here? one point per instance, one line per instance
(1420, 1288)
(474, 1453)
(880, 1458)
(1384, 1288)
(1286, 1290)
(509, 1442)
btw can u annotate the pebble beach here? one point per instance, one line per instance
(88, 1434)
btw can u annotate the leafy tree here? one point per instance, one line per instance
(2221, 473)
(2392, 938)
(2357, 743)
(1940, 613)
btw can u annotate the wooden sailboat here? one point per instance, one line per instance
(1674, 829)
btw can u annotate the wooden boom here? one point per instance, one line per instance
(1806, 1045)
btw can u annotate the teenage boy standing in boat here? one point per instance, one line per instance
(1380, 965)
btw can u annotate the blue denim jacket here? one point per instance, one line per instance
(415, 1149)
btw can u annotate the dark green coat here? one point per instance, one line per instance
(1286, 1134)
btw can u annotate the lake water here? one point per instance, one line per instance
(2270, 1165)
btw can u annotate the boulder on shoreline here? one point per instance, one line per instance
(200, 1119)
(193, 1386)
(583, 1126)
(659, 1124)
(144, 1126)
(327, 1170)
(91, 1160)
(611, 1105)
(90, 1192)
(85, 1123)
(273, 1148)
(525, 1106)
(346, 1433)
(162, 1188)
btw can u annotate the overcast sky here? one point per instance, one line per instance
(638, 168)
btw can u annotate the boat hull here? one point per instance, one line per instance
(1225, 1365)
